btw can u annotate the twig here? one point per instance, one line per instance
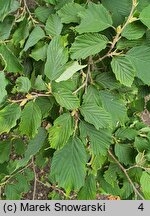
(13, 174)
(90, 62)
(52, 187)
(119, 31)
(29, 12)
(29, 97)
(35, 179)
(126, 174)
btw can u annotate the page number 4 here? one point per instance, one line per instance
(141, 207)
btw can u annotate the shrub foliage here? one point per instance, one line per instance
(74, 76)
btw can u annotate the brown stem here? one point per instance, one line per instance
(117, 37)
(126, 174)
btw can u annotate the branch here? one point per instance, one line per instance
(126, 174)
(119, 31)
(90, 62)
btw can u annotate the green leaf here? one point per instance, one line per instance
(42, 13)
(123, 70)
(96, 115)
(66, 99)
(5, 149)
(142, 144)
(40, 84)
(88, 44)
(57, 56)
(33, 147)
(36, 35)
(7, 7)
(39, 52)
(8, 117)
(11, 62)
(23, 84)
(94, 19)
(118, 9)
(60, 132)
(88, 191)
(125, 153)
(69, 165)
(53, 25)
(45, 104)
(140, 58)
(100, 140)
(115, 107)
(3, 85)
(126, 133)
(145, 16)
(110, 174)
(30, 119)
(134, 31)
(98, 162)
(92, 96)
(144, 181)
(6, 27)
(21, 33)
(69, 13)
(107, 81)
(70, 69)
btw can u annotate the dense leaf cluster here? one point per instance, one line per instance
(74, 76)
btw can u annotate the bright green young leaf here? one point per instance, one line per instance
(5, 149)
(123, 70)
(53, 25)
(96, 115)
(70, 69)
(10, 60)
(100, 140)
(69, 165)
(36, 35)
(6, 27)
(98, 162)
(145, 16)
(115, 107)
(125, 153)
(69, 13)
(8, 117)
(140, 58)
(145, 180)
(88, 191)
(94, 19)
(4, 82)
(60, 132)
(88, 44)
(66, 99)
(30, 119)
(134, 31)
(57, 56)
(39, 52)
(23, 84)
